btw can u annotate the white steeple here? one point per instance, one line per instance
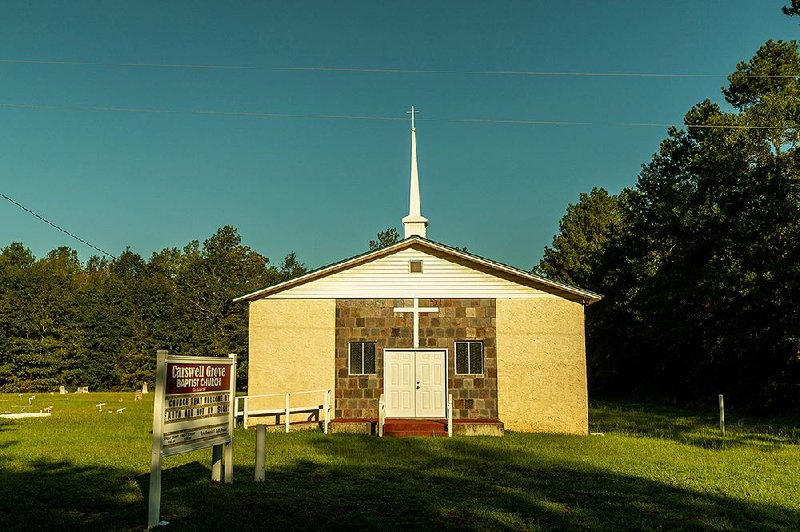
(414, 223)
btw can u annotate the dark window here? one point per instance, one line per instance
(469, 358)
(362, 358)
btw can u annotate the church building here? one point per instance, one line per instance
(425, 331)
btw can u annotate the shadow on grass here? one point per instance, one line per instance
(62, 496)
(366, 483)
(693, 428)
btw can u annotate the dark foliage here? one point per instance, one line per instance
(700, 262)
(385, 239)
(100, 324)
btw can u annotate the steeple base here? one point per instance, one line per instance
(415, 226)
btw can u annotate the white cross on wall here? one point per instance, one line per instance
(416, 309)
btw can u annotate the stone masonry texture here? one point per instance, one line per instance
(374, 320)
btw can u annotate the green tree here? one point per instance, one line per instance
(207, 281)
(100, 324)
(385, 239)
(584, 236)
(701, 278)
(792, 9)
(291, 267)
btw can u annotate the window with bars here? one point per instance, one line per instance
(362, 358)
(469, 358)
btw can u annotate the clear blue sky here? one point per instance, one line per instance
(324, 187)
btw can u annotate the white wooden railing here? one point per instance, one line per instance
(243, 407)
(381, 415)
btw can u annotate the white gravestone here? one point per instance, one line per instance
(144, 387)
(62, 390)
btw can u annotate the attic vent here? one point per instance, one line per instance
(415, 266)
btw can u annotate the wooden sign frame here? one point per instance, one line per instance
(191, 391)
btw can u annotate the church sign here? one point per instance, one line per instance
(198, 406)
(194, 409)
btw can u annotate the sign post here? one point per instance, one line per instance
(193, 409)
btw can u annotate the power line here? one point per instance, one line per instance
(48, 222)
(121, 65)
(530, 73)
(255, 114)
(381, 70)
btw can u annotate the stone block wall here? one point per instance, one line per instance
(374, 320)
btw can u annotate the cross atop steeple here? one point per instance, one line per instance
(414, 224)
(412, 112)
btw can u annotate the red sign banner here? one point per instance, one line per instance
(196, 378)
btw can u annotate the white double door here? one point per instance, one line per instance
(415, 383)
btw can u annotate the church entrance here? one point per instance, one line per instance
(415, 382)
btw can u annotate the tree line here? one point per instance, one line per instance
(699, 262)
(99, 324)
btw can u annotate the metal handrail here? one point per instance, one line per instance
(381, 415)
(450, 415)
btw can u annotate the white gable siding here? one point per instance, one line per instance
(389, 277)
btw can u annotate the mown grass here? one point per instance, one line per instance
(655, 468)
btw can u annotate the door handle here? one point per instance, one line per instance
(417, 385)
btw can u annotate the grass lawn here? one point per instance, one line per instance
(655, 468)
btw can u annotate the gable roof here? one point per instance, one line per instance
(516, 274)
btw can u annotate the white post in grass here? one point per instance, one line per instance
(216, 463)
(261, 451)
(722, 415)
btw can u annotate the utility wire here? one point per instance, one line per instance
(121, 65)
(48, 222)
(253, 114)
(376, 70)
(531, 73)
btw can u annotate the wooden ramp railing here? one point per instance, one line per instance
(244, 411)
